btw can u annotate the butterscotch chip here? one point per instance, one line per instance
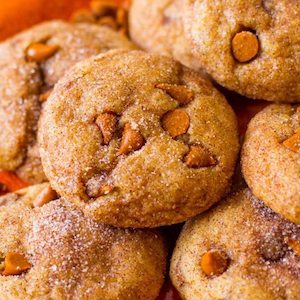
(107, 123)
(15, 264)
(262, 61)
(131, 140)
(39, 52)
(61, 253)
(19, 151)
(144, 159)
(226, 251)
(199, 157)
(294, 245)
(44, 197)
(44, 96)
(293, 142)
(214, 263)
(176, 122)
(109, 22)
(270, 159)
(179, 92)
(245, 46)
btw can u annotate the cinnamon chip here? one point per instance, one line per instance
(107, 122)
(245, 46)
(15, 264)
(199, 157)
(44, 197)
(179, 92)
(214, 263)
(132, 140)
(176, 122)
(38, 52)
(293, 142)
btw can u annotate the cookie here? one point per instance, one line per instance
(30, 64)
(54, 252)
(156, 26)
(138, 140)
(239, 250)
(251, 47)
(271, 159)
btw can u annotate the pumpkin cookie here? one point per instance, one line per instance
(271, 159)
(30, 64)
(238, 250)
(137, 140)
(251, 47)
(53, 251)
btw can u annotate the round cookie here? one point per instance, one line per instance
(251, 47)
(156, 26)
(271, 159)
(55, 252)
(30, 64)
(238, 250)
(137, 140)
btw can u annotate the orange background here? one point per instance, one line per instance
(16, 15)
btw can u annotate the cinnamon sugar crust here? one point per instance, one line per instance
(137, 140)
(262, 250)
(271, 159)
(74, 257)
(263, 63)
(22, 83)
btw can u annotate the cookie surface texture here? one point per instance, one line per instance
(55, 252)
(271, 159)
(137, 140)
(250, 47)
(238, 250)
(30, 64)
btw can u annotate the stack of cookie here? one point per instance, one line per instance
(249, 246)
(131, 141)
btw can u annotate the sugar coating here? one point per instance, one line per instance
(262, 264)
(153, 185)
(199, 34)
(74, 257)
(22, 83)
(272, 170)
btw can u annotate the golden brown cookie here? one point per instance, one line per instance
(238, 250)
(251, 47)
(55, 252)
(156, 26)
(137, 140)
(30, 64)
(271, 159)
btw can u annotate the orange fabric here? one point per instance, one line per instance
(11, 181)
(16, 15)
